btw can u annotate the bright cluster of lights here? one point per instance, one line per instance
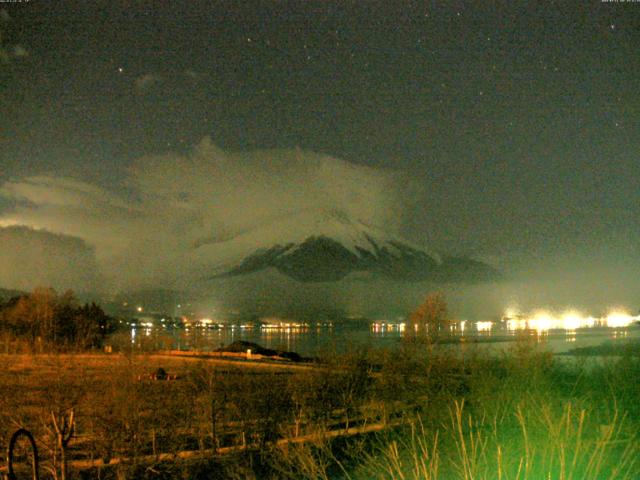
(484, 326)
(540, 321)
(383, 327)
(276, 324)
(217, 324)
(620, 319)
(543, 320)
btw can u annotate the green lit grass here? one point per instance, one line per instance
(416, 412)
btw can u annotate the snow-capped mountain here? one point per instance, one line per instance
(324, 246)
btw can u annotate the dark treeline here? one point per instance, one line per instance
(46, 320)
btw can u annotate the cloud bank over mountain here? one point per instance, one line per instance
(30, 258)
(177, 221)
(144, 235)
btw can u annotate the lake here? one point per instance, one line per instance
(311, 339)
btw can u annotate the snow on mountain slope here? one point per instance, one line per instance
(294, 229)
(325, 245)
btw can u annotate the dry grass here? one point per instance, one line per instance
(522, 416)
(564, 445)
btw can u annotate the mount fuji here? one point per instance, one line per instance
(327, 246)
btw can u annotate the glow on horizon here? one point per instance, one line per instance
(484, 326)
(619, 319)
(573, 320)
(543, 320)
(9, 222)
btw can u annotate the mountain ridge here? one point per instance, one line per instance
(327, 246)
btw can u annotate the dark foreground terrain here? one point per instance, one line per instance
(415, 412)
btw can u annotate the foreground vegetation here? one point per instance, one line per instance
(414, 412)
(45, 321)
(423, 410)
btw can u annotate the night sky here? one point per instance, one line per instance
(518, 123)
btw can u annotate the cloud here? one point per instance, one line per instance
(31, 258)
(9, 51)
(147, 81)
(44, 190)
(147, 237)
(20, 52)
(151, 81)
(156, 230)
(232, 191)
(72, 208)
(193, 74)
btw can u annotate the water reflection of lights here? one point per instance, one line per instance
(384, 327)
(539, 321)
(286, 326)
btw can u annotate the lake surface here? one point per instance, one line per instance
(342, 336)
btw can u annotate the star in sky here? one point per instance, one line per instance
(389, 85)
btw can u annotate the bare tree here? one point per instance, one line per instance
(63, 425)
(431, 319)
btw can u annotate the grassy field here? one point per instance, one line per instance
(414, 412)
